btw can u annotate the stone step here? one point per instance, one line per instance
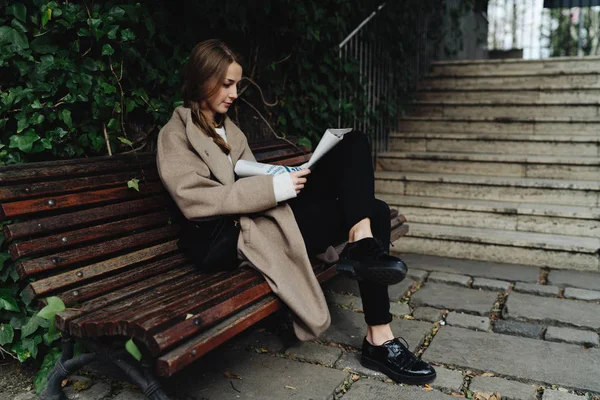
(565, 111)
(478, 187)
(525, 126)
(492, 97)
(579, 145)
(516, 67)
(526, 82)
(527, 248)
(493, 164)
(522, 217)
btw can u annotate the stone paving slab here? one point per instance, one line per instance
(427, 314)
(129, 395)
(524, 359)
(399, 309)
(534, 288)
(261, 376)
(454, 298)
(509, 390)
(351, 362)
(558, 395)
(582, 294)
(398, 290)
(342, 284)
(98, 391)
(315, 353)
(349, 328)
(258, 338)
(578, 279)
(490, 284)
(366, 389)
(474, 268)
(345, 300)
(551, 310)
(525, 329)
(416, 274)
(468, 321)
(447, 380)
(450, 279)
(570, 335)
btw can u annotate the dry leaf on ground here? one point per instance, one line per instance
(229, 375)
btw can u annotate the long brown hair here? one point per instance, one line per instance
(202, 77)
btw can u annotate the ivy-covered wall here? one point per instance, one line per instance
(91, 78)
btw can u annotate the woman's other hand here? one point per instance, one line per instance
(299, 179)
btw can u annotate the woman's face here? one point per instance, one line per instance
(227, 93)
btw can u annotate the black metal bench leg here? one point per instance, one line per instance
(65, 366)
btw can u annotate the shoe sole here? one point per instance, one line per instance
(411, 380)
(389, 275)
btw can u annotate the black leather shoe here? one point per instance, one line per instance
(367, 259)
(396, 361)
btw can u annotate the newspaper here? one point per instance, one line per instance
(330, 139)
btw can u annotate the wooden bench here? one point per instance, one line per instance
(109, 252)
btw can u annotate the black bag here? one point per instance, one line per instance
(212, 245)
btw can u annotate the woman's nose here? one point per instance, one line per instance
(233, 92)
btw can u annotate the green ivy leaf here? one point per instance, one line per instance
(41, 378)
(19, 11)
(20, 350)
(25, 141)
(7, 302)
(125, 140)
(31, 326)
(46, 16)
(305, 142)
(65, 116)
(44, 45)
(7, 333)
(112, 32)
(31, 345)
(11, 35)
(55, 305)
(3, 256)
(107, 50)
(133, 350)
(127, 35)
(134, 184)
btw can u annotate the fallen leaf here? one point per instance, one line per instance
(355, 378)
(290, 387)
(64, 383)
(487, 374)
(427, 387)
(487, 396)
(389, 381)
(188, 316)
(457, 394)
(229, 375)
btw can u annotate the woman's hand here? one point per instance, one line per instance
(299, 179)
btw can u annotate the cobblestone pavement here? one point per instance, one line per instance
(523, 332)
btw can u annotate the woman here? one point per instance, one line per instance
(197, 151)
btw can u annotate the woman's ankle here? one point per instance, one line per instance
(379, 334)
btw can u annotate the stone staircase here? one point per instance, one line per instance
(500, 161)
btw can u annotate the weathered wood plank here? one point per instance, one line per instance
(164, 277)
(183, 355)
(90, 216)
(42, 171)
(61, 281)
(80, 255)
(26, 207)
(80, 236)
(64, 186)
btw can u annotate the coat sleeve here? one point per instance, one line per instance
(188, 181)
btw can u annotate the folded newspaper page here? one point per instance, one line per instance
(330, 139)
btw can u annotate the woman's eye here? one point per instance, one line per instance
(226, 85)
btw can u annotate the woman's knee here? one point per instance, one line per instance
(357, 139)
(380, 221)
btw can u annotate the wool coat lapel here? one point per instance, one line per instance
(211, 154)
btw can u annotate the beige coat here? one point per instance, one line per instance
(200, 178)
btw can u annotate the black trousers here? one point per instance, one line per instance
(340, 192)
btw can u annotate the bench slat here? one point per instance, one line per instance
(59, 187)
(26, 207)
(179, 357)
(158, 275)
(193, 349)
(76, 256)
(94, 233)
(112, 320)
(89, 216)
(42, 171)
(60, 281)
